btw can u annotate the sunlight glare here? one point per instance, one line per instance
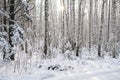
(60, 7)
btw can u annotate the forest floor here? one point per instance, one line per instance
(60, 68)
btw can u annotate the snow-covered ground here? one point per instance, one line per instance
(60, 68)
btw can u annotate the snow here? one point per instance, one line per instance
(4, 13)
(61, 68)
(27, 16)
(4, 45)
(24, 2)
(18, 34)
(26, 9)
(17, 38)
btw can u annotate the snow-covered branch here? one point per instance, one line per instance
(4, 13)
(18, 34)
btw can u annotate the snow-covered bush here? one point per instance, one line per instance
(89, 54)
(69, 54)
(17, 37)
(68, 46)
(25, 4)
(4, 44)
(18, 34)
(118, 48)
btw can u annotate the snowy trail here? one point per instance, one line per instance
(90, 71)
(108, 76)
(96, 75)
(100, 75)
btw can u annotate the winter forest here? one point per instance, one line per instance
(59, 39)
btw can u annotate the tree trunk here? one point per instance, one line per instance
(5, 10)
(101, 29)
(108, 22)
(5, 29)
(78, 30)
(46, 28)
(114, 30)
(12, 16)
(63, 28)
(90, 23)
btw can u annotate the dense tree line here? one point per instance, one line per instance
(64, 25)
(81, 23)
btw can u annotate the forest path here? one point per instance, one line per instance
(35, 73)
(113, 74)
